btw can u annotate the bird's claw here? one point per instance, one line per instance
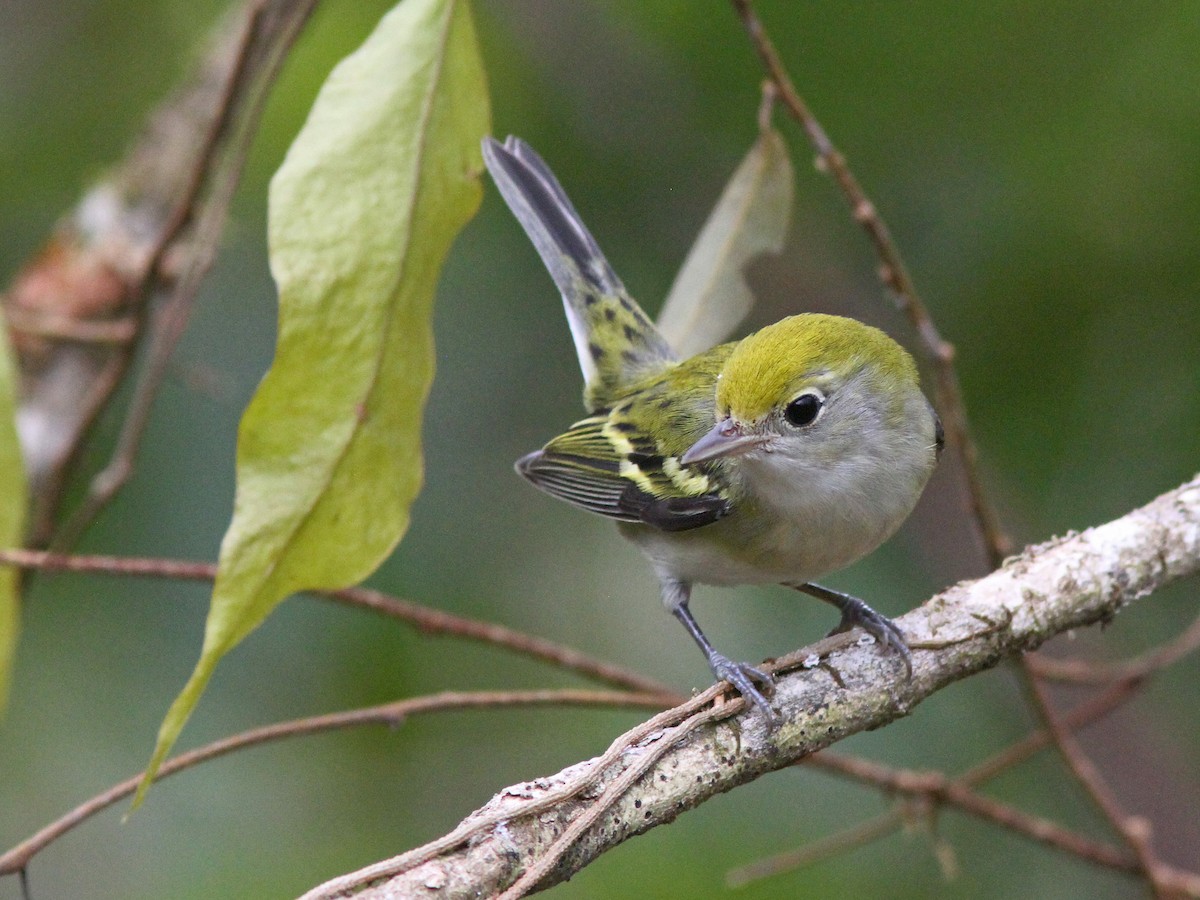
(743, 677)
(880, 627)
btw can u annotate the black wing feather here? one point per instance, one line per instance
(676, 513)
(592, 477)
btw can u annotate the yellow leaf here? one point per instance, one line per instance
(710, 296)
(362, 212)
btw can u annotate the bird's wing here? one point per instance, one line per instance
(615, 340)
(606, 467)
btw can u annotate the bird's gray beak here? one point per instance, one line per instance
(725, 439)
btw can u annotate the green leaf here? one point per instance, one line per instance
(13, 498)
(710, 296)
(362, 212)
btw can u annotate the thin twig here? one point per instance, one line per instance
(270, 30)
(943, 790)
(936, 789)
(425, 618)
(832, 845)
(1077, 671)
(435, 621)
(98, 564)
(894, 274)
(391, 714)
(885, 779)
(1084, 714)
(1134, 831)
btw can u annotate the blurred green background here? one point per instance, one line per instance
(1039, 164)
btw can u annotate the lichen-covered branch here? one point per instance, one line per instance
(1066, 583)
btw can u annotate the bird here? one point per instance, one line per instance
(774, 459)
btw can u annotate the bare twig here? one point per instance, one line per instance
(936, 789)
(893, 273)
(75, 310)
(887, 822)
(435, 621)
(1083, 714)
(1134, 831)
(939, 789)
(1077, 671)
(827, 847)
(271, 27)
(425, 618)
(391, 714)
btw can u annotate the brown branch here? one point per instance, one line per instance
(271, 28)
(937, 789)
(435, 621)
(1077, 671)
(940, 789)
(887, 822)
(894, 275)
(1083, 714)
(97, 564)
(425, 618)
(76, 310)
(1051, 588)
(1132, 830)
(827, 847)
(391, 714)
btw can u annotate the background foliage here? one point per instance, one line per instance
(1038, 166)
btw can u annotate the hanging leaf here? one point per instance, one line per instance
(710, 296)
(13, 497)
(362, 212)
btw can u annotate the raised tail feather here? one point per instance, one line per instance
(615, 340)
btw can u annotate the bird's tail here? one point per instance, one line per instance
(616, 342)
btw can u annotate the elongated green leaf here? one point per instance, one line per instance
(710, 296)
(362, 213)
(13, 496)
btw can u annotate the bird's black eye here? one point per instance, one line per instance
(803, 410)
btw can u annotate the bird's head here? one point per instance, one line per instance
(811, 387)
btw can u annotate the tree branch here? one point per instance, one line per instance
(894, 275)
(1063, 584)
(393, 714)
(429, 620)
(142, 236)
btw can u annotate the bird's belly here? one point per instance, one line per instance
(730, 552)
(771, 547)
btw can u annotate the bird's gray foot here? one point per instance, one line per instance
(857, 613)
(743, 677)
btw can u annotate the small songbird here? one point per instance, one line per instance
(770, 460)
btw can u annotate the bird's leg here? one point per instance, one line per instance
(741, 675)
(856, 612)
